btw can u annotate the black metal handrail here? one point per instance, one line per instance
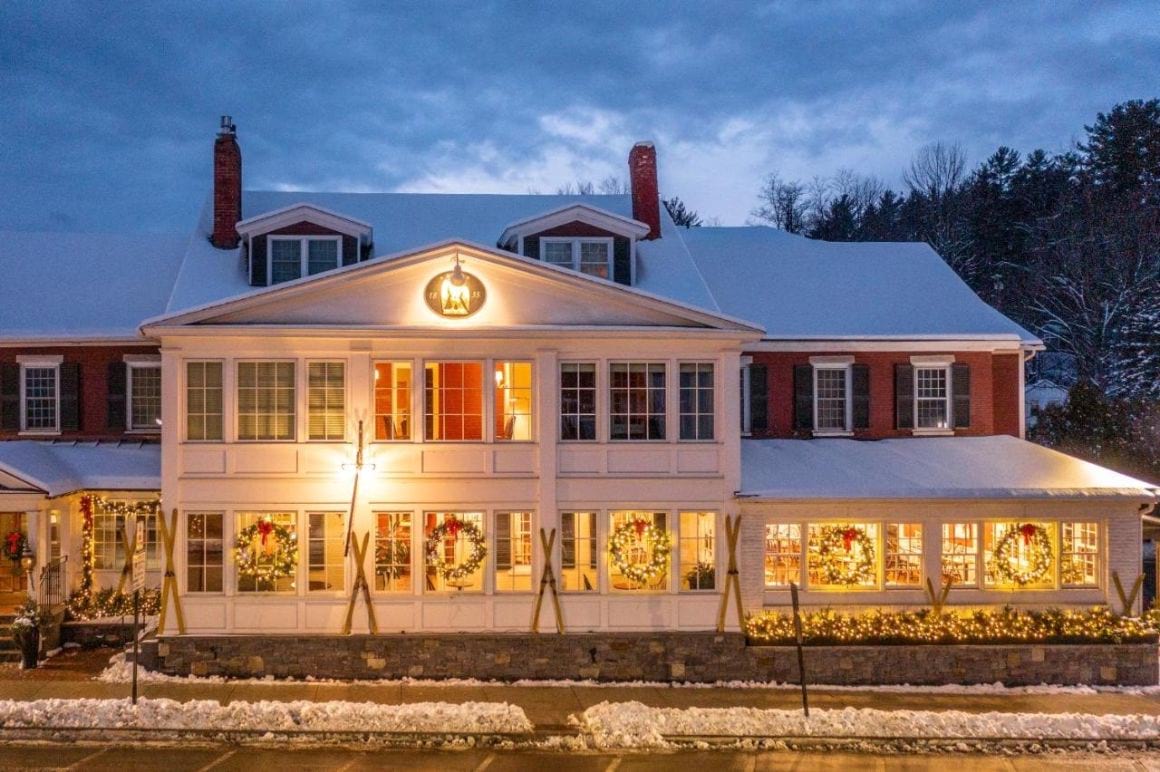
(52, 582)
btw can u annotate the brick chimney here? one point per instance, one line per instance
(642, 174)
(227, 186)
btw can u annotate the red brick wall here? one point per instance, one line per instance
(94, 361)
(574, 228)
(994, 391)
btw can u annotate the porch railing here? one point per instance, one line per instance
(52, 585)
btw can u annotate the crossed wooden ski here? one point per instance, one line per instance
(360, 584)
(547, 581)
(732, 576)
(169, 581)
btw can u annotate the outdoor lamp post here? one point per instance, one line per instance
(28, 562)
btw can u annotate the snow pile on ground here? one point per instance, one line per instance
(266, 716)
(634, 725)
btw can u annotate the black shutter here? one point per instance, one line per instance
(567, 540)
(758, 398)
(10, 397)
(803, 397)
(258, 274)
(860, 385)
(70, 397)
(503, 542)
(532, 247)
(349, 250)
(622, 260)
(961, 394)
(115, 383)
(903, 397)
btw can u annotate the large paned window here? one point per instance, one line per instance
(393, 400)
(932, 397)
(1079, 552)
(203, 401)
(577, 401)
(455, 549)
(326, 398)
(831, 399)
(286, 584)
(204, 551)
(513, 401)
(453, 401)
(843, 556)
(266, 409)
(513, 551)
(590, 256)
(636, 401)
(903, 555)
(1020, 554)
(578, 553)
(292, 257)
(393, 552)
(639, 551)
(698, 550)
(325, 551)
(960, 553)
(41, 398)
(109, 540)
(697, 408)
(144, 397)
(783, 554)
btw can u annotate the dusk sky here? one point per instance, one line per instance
(110, 108)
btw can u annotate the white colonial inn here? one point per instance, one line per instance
(443, 396)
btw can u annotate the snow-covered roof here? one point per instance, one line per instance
(800, 289)
(84, 285)
(57, 468)
(999, 467)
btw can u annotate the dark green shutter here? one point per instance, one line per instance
(258, 274)
(961, 394)
(622, 261)
(860, 385)
(758, 398)
(903, 397)
(70, 397)
(503, 541)
(10, 397)
(803, 397)
(532, 247)
(115, 383)
(349, 250)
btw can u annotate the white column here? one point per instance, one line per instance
(547, 419)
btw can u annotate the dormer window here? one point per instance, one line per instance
(592, 256)
(292, 257)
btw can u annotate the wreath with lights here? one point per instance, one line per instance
(628, 553)
(450, 571)
(266, 551)
(843, 554)
(14, 545)
(1024, 555)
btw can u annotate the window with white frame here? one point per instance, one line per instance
(903, 555)
(453, 401)
(636, 401)
(40, 397)
(392, 551)
(393, 387)
(203, 401)
(592, 256)
(513, 401)
(640, 549)
(960, 553)
(831, 398)
(696, 401)
(932, 397)
(577, 401)
(109, 540)
(292, 257)
(285, 584)
(326, 400)
(783, 554)
(842, 556)
(266, 395)
(204, 551)
(578, 553)
(745, 387)
(144, 396)
(1079, 553)
(325, 548)
(698, 550)
(513, 551)
(455, 548)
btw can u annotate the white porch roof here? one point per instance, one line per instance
(57, 468)
(925, 468)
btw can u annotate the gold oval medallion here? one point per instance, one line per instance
(455, 294)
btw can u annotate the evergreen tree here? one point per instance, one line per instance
(682, 215)
(1123, 147)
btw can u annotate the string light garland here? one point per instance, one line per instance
(827, 627)
(636, 562)
(449, 570)
(107, 603)
(843, 554)
(266, 551)
(1023, 556)
(84, 604)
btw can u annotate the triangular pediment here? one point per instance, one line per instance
(410, 291)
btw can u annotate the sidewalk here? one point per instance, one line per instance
(69, 676)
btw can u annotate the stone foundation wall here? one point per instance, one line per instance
(686, 657)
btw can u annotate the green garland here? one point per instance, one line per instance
(470, 564)
(834, 557)
(630, 537)
(1023, 566)
(266, 551)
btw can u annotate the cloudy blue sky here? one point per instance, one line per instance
(109, 109)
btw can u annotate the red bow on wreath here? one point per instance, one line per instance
(640, 526)
(1028, 531)
(848, 537)
(453, 527)
(265, 528)
(13, 547)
